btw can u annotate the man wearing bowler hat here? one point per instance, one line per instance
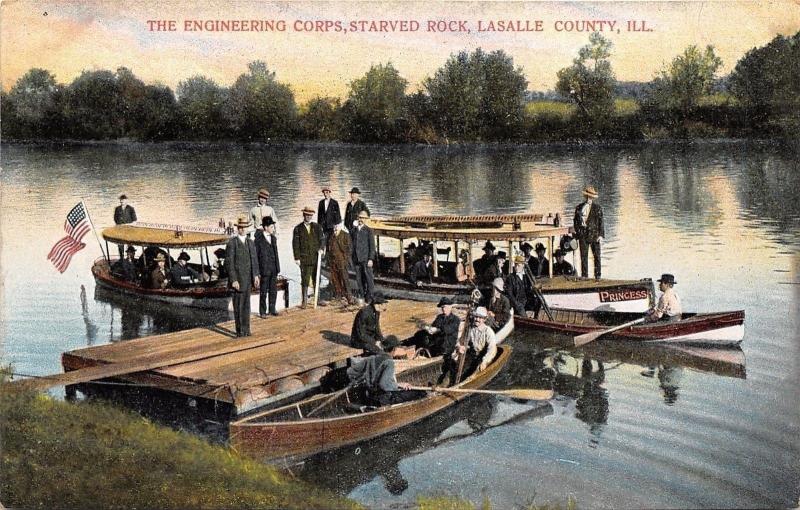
(306, 244)
(540, 266)
(328, 213)
(123, 214)
(589, 230)
(181, 274)
(364, 255)
(242, 264)
(669, 304)
(262, 210)
(268, 266)
(441, 337)
(354, 207)
(366, 333)
(561, 266)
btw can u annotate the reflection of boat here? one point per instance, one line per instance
(720, 329)
(285, 432)
(206, 294)
(381, 457)
(450, 233)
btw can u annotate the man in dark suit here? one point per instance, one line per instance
(364, 256)
(422, 271)
(306, 245)
(126, 268)
(518, 287)
(354, 208)
(366, 333)
(497, 269)
(242, 264)
(328, 213)
(540, 266)
(268, 266)
(589, 230)
(181, 274)
(123, 214)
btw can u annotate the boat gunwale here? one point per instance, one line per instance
(504, 352)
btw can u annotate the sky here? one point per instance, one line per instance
(69, 37)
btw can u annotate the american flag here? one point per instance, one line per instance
(76, 226)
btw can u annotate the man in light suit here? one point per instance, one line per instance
(589, 230)
(242, 264)
(364, 255)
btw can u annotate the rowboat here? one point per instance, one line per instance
(449, 234)
(717, 329)
(286, 433)
(211, 294)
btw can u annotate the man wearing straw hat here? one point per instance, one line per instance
(328, 213)
(481, 346)
(364, 255)
(242, 264)
(306, 245)
(589, 230)
(159, 279)
(262, 210)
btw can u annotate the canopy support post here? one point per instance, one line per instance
(402, 258)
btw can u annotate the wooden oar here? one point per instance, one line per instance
(591, 337)
(520, 393)
(330, 399)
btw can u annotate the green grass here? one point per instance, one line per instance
(456, 503)
(88, 455)
(564, 110)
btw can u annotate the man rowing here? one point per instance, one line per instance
(669, 304)
(481, 346)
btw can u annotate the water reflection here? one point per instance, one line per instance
(382, 458)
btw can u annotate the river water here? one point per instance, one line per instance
(626, 430)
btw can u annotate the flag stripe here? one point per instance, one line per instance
(76, 226)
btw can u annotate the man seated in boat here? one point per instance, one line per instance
(669, 304)
(464, 270)
(481, 346)
(540, 266)
(159, 277)
(438, 339)
(410, 257)
(147, 262)
(498, 306)
(561, 267)
(377, 377)
(519, 288)
(182, 275)
(220, 271)
(366, 333)
(422, 271)
(483, 263)
(126, 268)
(497, 269)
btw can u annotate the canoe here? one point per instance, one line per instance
(285, 432)
(211, 294)
(717, 329)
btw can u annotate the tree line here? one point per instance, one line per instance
(473, 96)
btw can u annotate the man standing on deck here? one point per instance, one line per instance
(242, 264)
(262, 210)
(354, 209)
(589, 230)
(364, 255)
(339, 253)
(123, 214)
(306, 245)
(268, 266)
(328, 214)
(669, 304)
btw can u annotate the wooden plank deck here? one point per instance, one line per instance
(286, 353)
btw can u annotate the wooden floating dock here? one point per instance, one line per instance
(285, 355)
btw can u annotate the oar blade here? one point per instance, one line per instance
(528, 394)
(587, 337)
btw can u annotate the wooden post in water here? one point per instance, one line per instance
(402, 258)
(435, 257)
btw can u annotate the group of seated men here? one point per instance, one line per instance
(375, 372)
(150, 269)
(495, 265)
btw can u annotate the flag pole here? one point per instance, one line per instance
(95, 231)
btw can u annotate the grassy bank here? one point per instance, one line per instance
(88, 455)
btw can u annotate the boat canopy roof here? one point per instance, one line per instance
(490, 227)
(162, 237)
